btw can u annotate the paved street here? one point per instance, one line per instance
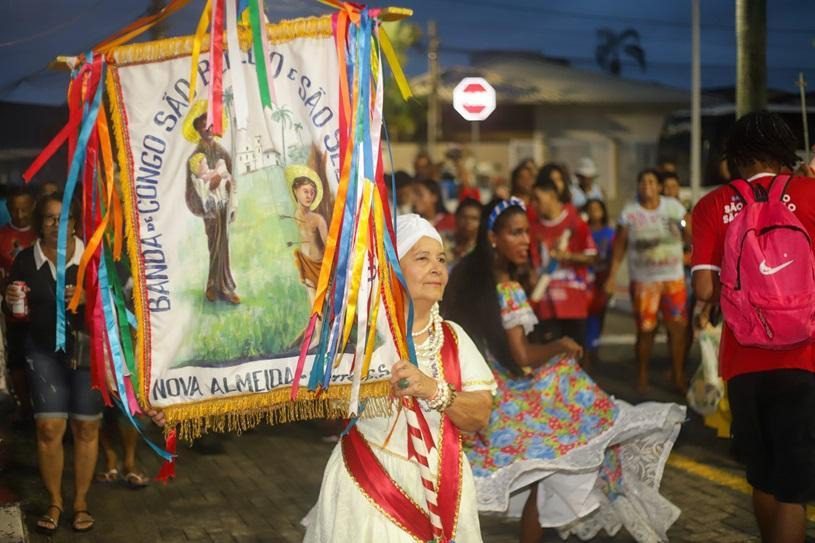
(258, 486)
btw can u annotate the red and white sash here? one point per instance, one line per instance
(375, 482)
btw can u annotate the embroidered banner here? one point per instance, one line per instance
(228, 234)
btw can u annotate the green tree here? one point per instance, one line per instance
(404, 119)
(282, 115)
(612, 45)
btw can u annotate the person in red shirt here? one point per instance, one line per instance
(771, 392)
(562, 249)
(14, 237)
(18, 234)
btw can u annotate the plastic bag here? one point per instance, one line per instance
(706, 387)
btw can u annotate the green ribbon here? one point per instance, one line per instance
(260, 58)
(122, 320)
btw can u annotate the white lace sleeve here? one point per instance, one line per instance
(515, 308)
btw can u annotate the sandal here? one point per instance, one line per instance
(47, 524)
(136, 480)
(82, 525)
(109, 476)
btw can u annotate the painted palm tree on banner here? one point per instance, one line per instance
(298, 127)
(611, 46)
(283, 115)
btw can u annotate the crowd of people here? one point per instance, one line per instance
(510, 289)
(575, 249)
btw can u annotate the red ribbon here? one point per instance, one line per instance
(167, 470)
(216, 59)
(377, 485)
(69, 131)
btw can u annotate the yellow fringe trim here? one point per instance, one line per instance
(116, 116)
(284, 31)
(241, 413)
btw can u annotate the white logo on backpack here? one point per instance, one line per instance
(766, 270)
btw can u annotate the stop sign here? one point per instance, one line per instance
(474, 98)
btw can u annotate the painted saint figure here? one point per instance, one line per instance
(307, 190)
(211, 193)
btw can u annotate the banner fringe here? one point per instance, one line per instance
(117, 119)
(284, 31)
(242, 413)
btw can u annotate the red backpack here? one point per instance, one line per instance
(768, 270)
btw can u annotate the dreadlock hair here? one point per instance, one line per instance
(471, 297)
(760, 136)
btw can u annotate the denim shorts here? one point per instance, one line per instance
(57, 391)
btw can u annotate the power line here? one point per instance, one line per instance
(527, 10)
(591, 60)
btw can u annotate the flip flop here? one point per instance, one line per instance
(136, 480)
(54, 523)
(109, 476)
(87, 523)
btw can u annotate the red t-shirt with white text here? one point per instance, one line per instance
(12, 241)
(568, 293)
(711, 217)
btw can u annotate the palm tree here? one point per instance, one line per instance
(612, 45)
(282, 115)
(298, 127)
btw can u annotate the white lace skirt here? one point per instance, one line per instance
(575, 493)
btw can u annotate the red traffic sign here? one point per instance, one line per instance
(474, 98)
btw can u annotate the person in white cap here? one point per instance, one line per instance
(586, 188)
(371, 490)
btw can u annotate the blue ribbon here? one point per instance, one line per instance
(88, 124)
(106, 296)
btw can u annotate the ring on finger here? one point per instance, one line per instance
(403, 383)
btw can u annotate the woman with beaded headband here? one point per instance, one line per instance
(373, 489)
(558, 451)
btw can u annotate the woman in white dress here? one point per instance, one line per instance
(371, 490)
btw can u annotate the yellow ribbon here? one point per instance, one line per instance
(373, 310)
(198, 40)
(342, 192)
(386, 277)
(360, 252)
(393, 62)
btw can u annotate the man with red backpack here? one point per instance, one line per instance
(753, 254)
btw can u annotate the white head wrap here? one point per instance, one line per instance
(410, 228)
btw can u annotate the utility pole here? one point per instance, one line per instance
(696, 104)
(751, 56)
(433, 97)
(802, 86)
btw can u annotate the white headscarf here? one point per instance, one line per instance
(410, 228)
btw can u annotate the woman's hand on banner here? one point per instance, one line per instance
(408, 380)
(157, 417)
